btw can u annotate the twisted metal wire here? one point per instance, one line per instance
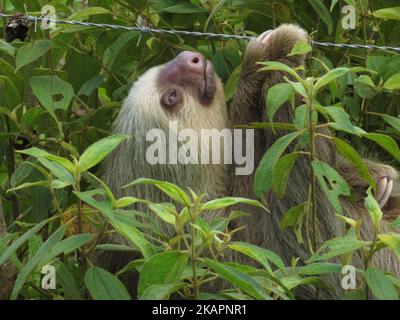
(208, 35)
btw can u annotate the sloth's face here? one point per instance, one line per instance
(185, 89)
(188, 74)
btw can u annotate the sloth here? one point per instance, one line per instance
(188, 92)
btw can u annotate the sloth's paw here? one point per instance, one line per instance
(386, 179)
(265, 36)
(273, 45)
(279, 42)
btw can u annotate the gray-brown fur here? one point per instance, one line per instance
(136, 118)
(263, 229)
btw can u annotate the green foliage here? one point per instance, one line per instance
(60, 93)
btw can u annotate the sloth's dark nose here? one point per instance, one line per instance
(192, 61)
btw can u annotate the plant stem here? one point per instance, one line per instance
(368, 261)
(193, 258)
(4, 9)
(10, 161)
(272, 5)
(313, 177)
(78, 189)
(57, 203)
(307, 226)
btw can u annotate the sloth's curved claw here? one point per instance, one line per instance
(380, 188)
(384, 191)
(263, 38)
(387, 193)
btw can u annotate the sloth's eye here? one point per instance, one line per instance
(171, 98)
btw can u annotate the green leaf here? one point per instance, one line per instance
(113, 51)
(58, 170)
(393, 121)
(115, 247)
(264, 173)
(333, 4)
(261, 255)
(239, 279)
(331, 183)
(162, 268)
(373, 209)
(134, 236)
(364, 87)
(35, 260)
(171, 190)
(267, 125)
(386, 142)
(277, 96)
(391, 240)
(70, 244)
(320, 268)
(129, 232)
(298, 87)
(20, 241)
(31, 52)
(323, 12)
(67, 282)
(300, 48)
(106, 189)
(99, 150)
(342, 120)
(380, 285)
(52, 92)
(89, 86)
(282, 171)
(164, 212)
(126, 202)
(185, 7)
(7, 48)
(88, 12)
(329, 77)
(396, 223)
(393, 83)
(103, 285)
(388, 13)
(160, 291)
(302, 117)
(230, 201)
(293, 216)
(352, 155)
(337, 247)
(26, 185)
(39, 153)
(279, 66)
(11, 95)
(35, 152)
(232, 83)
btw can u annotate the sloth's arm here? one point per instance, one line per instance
(270, 46)
(248, 106)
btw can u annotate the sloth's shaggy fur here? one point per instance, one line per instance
(142, 111)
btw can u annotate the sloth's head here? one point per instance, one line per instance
(185, 89)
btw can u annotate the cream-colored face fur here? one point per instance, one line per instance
(144, 100)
